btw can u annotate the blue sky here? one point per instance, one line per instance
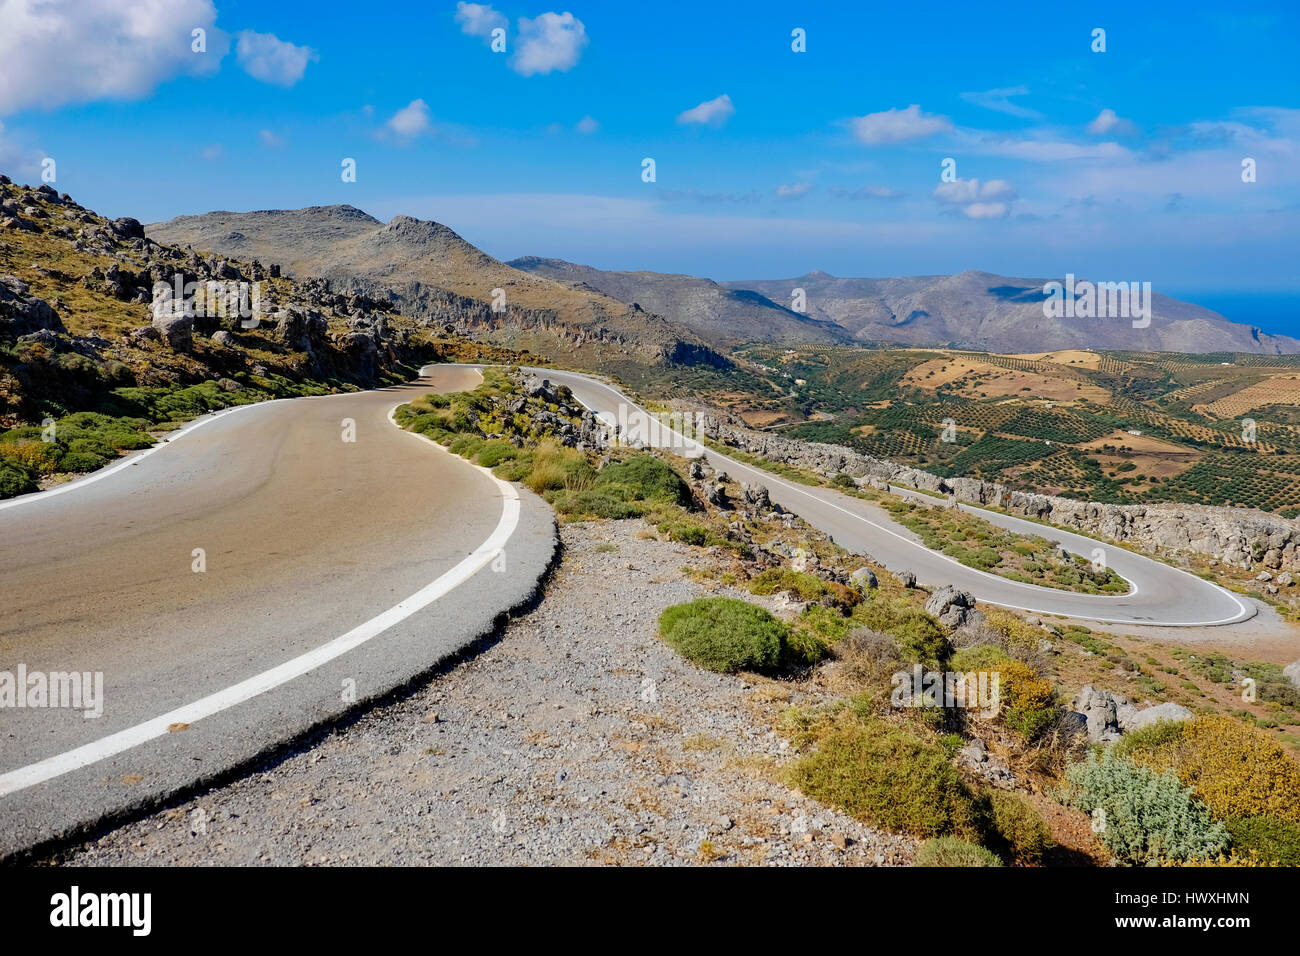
(1123, 164)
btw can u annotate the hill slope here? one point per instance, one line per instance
(718, 314)
(431, 272)
(979, 310)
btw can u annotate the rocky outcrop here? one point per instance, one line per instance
(952, 607)
(22, 313)
(1109, 715)
(1239, 537)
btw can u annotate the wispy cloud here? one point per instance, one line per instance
(1000, 101)
(1108, 123)
(793, 190)
(712, 112)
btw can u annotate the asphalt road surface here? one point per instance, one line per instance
(330, 572)
(1160, 595)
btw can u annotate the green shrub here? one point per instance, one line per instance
(889, 776)
(1028, 700)
(1019, 826)
(725, 635)
(495, 452)
(804, 648)
(466, 446)
(950, 851)
(594, 503)
(644, 478)
(984, 657)
(1149, 815)
(14, 480)
(920, 637)
(1269, 839)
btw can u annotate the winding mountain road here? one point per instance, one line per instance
(254, 576)
(1160, 595)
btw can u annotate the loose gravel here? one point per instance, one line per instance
(577, 738)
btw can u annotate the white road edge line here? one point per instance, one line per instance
(134, 459)
(95, 751)
(1245, 612)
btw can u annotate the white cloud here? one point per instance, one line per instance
(1000, 101)
(986, 210)
(587, 126)
(410, 121)
(897, 126)
(270, 139)
(1108, 121)
(1039, 150)
(267, 58)
(551, 41)
(479, 19)
(792, 190)
(712, 112)
(212, 153)
(67, 51)
(988, 200)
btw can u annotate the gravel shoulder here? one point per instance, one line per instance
(577, 738)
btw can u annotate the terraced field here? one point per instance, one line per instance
(1120, 427)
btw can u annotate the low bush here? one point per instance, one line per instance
(725, 635)
(1019, 827)
(1269, 840)
(14, 480)
(1238, 771)
(644, 478)
(889, 776)
(950, 851)
(1149, 815)
(495, 452)
(1028, 700)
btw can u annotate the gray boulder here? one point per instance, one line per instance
(1153, 715)
(950, 606)
(863, 578)
(177, 330)
(1106, 714)
(907, 579)
(1292, 672)
(22, 313)
(756, 495)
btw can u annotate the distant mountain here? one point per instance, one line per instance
(979, 310)
(560, 308)
(430, 272)
(723, 316)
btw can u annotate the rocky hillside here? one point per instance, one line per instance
(992, 313)
(723, 316)
(80, 335)
(430, 272)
